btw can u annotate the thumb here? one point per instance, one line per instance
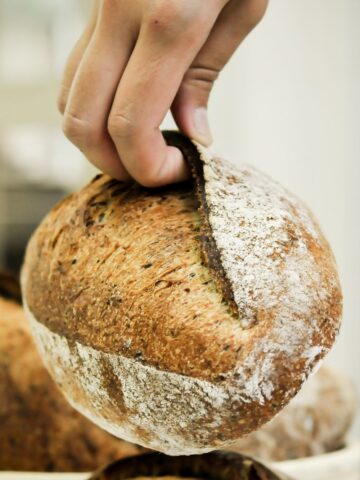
(233, 24)
(190, 104)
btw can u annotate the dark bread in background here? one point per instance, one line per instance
(210, 466)
(39, 430)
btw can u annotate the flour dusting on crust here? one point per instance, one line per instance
(161, 410)
(262, 232)
(161, 405)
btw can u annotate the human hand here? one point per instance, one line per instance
(136, 60)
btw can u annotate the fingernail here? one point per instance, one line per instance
(202, 130)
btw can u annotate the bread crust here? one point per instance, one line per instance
(131, 278)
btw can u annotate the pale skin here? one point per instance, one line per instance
(135, 61)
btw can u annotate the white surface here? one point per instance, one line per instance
(341, 465)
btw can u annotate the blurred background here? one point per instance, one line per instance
(288, 103)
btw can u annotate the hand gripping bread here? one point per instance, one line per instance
(182, 318)
(39, 430)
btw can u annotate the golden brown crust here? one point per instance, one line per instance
(113, 287)
(130, 281)
(39, 430)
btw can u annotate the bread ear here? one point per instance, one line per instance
(195, 157)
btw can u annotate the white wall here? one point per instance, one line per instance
(289, 103)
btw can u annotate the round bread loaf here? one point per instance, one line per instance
(39, 430)
(315, 422)
(182, 318)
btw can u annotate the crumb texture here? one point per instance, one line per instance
(119, 268)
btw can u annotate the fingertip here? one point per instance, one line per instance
(192, 120)
(116, 173)
(200, 130)
(119, 175)
(106, 159)
(114, 170)
(174, 169)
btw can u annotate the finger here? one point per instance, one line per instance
(75, 58)
(168, 42)
(234, 23)
(94, 87)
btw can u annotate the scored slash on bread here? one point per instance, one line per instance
(182, 318)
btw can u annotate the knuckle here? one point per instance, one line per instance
(62, 98)
(171, 18)
(201, 77)
(61, 103)
(171, 10)
(110, 6)
(255, 10)
(119, 125)
(78, 131)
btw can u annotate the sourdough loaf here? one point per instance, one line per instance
(182, 318)
(39, 430)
